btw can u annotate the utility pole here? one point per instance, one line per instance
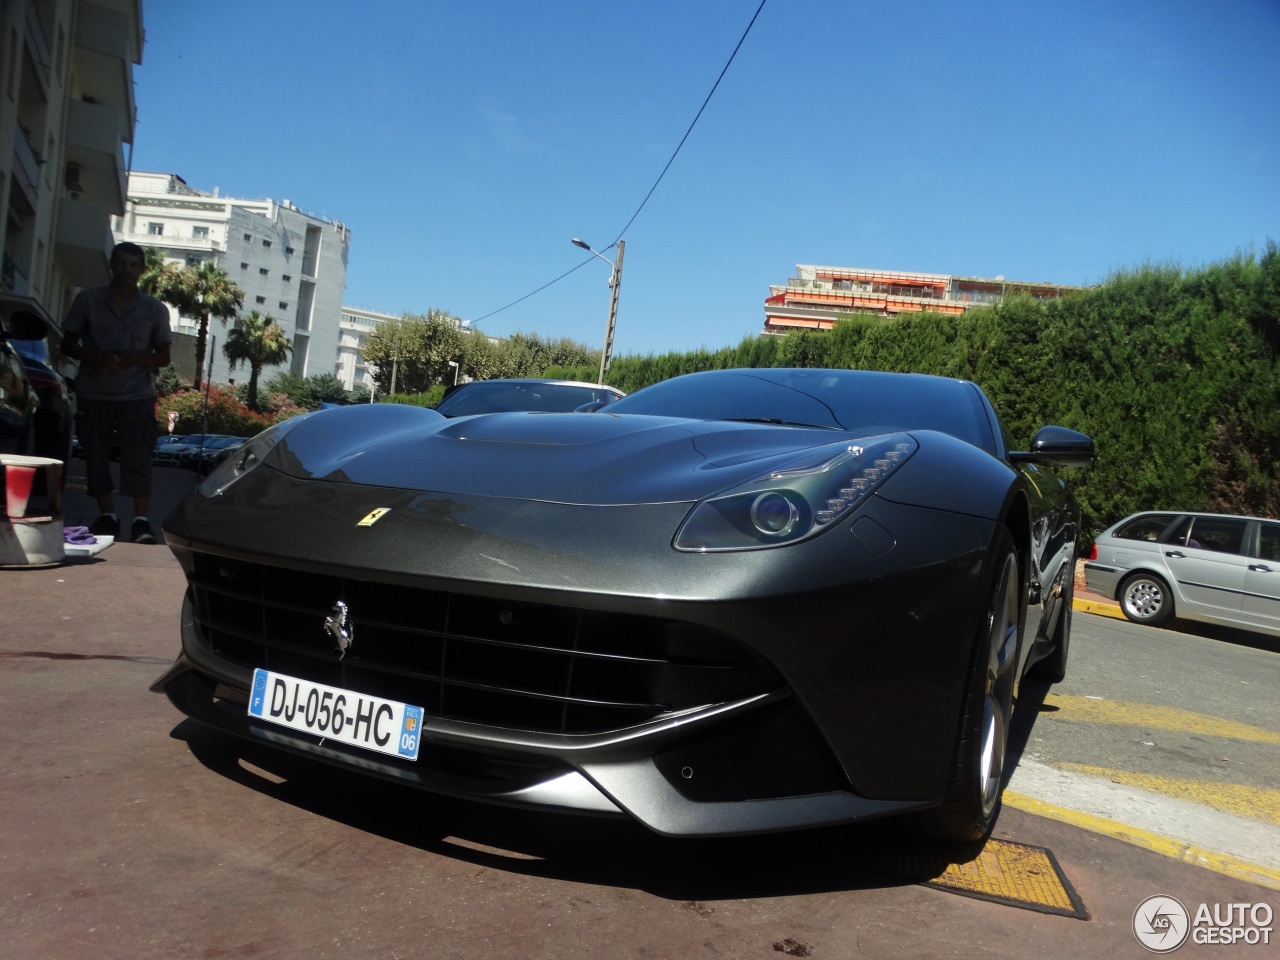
(615, 283)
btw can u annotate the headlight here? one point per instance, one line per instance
(246, 458)
(797, 501)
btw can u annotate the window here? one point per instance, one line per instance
(286, 278)
(194, 261)
(260, 299)
(1219, 534)
(1147, 527)
(155, 229)
(1269, 542)
(263, 271)
(248, 236)
(200, 233)
(288, 249)
(284, 304)
(243, 265)
(266, 243)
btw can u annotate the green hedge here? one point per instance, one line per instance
(1172, 372)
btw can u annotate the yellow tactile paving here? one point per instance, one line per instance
(1255, 803)
(1121, 713)
(999, 870)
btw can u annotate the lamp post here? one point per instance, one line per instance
(454, 364)
(615, 283)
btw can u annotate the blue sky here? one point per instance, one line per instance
(465, 144)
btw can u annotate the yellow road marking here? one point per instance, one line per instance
(1166, 846)
(1120, 713)
(1254, 803)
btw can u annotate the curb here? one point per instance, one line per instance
(1101, 609)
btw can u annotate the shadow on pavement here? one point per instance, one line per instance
(596, 850)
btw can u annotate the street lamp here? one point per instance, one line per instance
(615, 282)
(454, 364)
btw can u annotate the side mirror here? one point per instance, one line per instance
(1057, 447)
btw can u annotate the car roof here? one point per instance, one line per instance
(1191, 513)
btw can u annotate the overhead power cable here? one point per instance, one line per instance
(675, 153)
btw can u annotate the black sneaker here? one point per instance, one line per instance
(142, 532)
(105, 526)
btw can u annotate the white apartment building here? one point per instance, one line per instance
(291, 264)
(817, 297)
(66, 109)
(356, 326)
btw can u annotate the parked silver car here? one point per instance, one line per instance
(1210, 567)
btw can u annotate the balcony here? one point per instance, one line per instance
(82, 242)
(94, 148)
(106, 45)
(163, 241)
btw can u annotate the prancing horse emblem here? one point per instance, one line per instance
(336, 626)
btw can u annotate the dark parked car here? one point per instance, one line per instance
(213, 453)
(505, 396)
(52, 422)
(167, 439)
(173, 454)
(732, 602)
(18, 402)
(1209, 567)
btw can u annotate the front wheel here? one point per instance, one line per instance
(976, 780)
(1145, 598)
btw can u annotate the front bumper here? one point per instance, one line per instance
(807, 686)
(601, 779)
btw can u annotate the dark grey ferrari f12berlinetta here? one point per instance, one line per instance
(732, 602)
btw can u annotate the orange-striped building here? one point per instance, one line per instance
(818, 296)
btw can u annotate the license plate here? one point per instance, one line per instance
(357, 719)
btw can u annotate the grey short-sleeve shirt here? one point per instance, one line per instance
(143, 326)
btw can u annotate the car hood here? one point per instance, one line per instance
(573, 458)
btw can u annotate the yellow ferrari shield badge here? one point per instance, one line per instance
(374, 517)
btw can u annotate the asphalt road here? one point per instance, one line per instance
(129, 831)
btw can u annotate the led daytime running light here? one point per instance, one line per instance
(796, 501)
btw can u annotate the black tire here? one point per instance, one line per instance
(975, 784)
(1054, 667)
(1146, 598)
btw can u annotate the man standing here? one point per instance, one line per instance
(121, 337)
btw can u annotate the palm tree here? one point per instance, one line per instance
(202, 291)
(257, 340)
(159, 276)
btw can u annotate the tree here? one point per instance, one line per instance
(159, 276)
(289, 384)
(323, 388)
(202, 291)
(413, 353)
(258, 341)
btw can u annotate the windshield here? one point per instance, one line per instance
(858, 400)
(503, 396)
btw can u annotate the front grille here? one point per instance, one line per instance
(526, 666)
